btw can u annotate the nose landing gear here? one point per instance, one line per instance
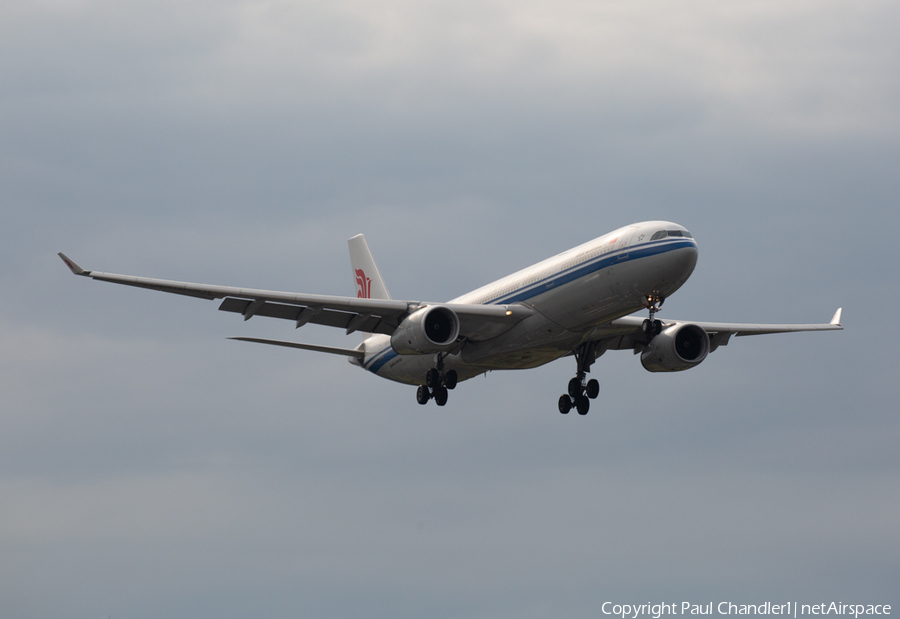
(651, 327)
(581, 392)
(437, 383)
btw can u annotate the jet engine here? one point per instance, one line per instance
(680, 347)
(428, 330)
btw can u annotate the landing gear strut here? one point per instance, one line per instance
(651, 326)
(437, 382)
(580, 393)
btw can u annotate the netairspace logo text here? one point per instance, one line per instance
(655, 611)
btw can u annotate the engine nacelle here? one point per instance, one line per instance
(678, 348)
(428, 330)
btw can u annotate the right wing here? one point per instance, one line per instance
(477, 322)
(625, 333)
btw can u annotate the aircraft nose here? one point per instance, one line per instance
(689, 259)
(682, 263)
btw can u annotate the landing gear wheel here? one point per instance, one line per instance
(593, 389)
(580, 390)
(653, 327)
(423, 395)
(433, 378)
(450, 379)
(582, 404)
(440, 396)
(575, 387)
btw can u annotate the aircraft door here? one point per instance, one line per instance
(624, 243)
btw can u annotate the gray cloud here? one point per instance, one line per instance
(148, 466)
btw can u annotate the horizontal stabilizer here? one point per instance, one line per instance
(344, 352)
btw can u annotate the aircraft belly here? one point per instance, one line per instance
(409, 369)
(383, 361)
(521, 359)
(532, 342)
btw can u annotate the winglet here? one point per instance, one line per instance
(837, 318)
(77, 270)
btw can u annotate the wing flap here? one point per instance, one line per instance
(366, 322)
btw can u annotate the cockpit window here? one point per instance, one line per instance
(661, 234)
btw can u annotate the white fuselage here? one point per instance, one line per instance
(570, 293)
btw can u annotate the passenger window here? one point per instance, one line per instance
(658, 235)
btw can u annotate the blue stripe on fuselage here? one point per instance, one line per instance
(380, 358)
(595, 264)
(558, 279)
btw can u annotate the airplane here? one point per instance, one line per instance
(577, 303)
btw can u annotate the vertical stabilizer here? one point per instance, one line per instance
(366, 277)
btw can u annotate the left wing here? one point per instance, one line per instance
(477, 322)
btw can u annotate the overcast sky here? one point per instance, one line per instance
(150, 468)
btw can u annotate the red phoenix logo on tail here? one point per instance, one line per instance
(363, 285)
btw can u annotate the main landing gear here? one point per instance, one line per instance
(580, 393)
(651, 327)
(437, 383)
